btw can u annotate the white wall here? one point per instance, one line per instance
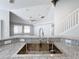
(4, 16)
(63, 8)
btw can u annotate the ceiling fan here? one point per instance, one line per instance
(54, 2)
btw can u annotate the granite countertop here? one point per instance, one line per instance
(69, 51)
(26, 36)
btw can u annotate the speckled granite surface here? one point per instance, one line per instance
(69, 52)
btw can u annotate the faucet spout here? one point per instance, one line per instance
(41, 33)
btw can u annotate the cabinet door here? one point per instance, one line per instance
(1, 22)
(0, 29)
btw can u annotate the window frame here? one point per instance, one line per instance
(21, 29)
(22, 33)
(29, 29)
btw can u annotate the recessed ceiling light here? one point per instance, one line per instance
(42, 16)
(30, 17)
(33, 20)
(27, 9)
(51, 55)
(11, 1)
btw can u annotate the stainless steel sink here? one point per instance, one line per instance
(39, 48)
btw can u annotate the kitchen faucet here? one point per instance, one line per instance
(41, 33)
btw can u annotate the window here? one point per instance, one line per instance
(26, 29)
(17, 29)
(21, 29)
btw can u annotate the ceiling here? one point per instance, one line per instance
(5, 4)
(33, 10)
(34, 13)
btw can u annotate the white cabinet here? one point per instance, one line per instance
(0, 29)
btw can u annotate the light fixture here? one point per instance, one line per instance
(54, 2)
(11, 1)
(30, 17)
(32, 20)
(42, 17)
(51, 55)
